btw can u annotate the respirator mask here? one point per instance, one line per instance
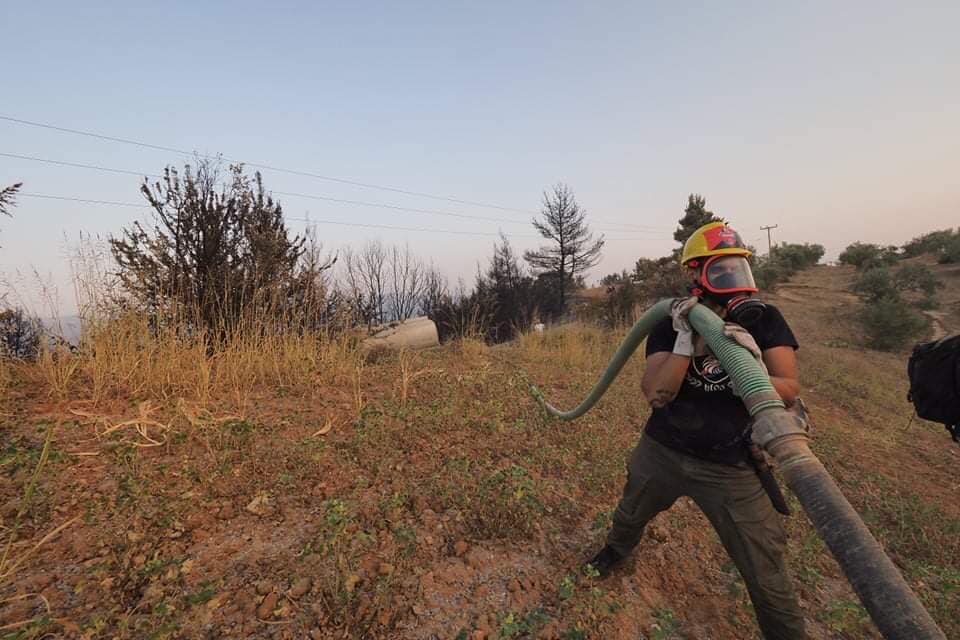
(727, 281)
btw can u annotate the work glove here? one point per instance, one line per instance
(683, 345)
(742, 337)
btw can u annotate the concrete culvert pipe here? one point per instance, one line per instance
(891, 603)
(413, 333)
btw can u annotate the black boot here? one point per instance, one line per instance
(605, 560)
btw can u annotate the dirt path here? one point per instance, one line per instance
(804, 293)
(936, 320)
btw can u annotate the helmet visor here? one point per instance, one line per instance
(726, 274)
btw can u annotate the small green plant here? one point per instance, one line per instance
(567, 586)
(406, 538)
(204, 595)
(513, 625)
(845, 616)
(19, 454)
(665, 626)
(590, 571)
(238, 427)
(156, 566)
(603, 520)
(337, 515)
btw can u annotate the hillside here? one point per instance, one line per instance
(425, 496)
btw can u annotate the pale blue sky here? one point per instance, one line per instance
(836, 121)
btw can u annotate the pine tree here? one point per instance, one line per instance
(694, 216)
(8, 198)
(572, 249)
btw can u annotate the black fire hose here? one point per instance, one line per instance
(891, 603)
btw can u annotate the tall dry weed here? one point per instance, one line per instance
(6, 376)
(170, 353)
(127, 358)
(570, 346)
(57, 368)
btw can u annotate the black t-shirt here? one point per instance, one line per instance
(705, 419)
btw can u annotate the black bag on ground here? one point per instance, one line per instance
(934, 372)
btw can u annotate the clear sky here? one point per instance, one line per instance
(837, 121)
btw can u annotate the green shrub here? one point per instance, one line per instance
(784, 260)
(795, 257)
(876, 284)
(863, 255)
(950, 253)
(933, 243)
(767, 273)
(918, 278)
(659, 278)
(889, 323)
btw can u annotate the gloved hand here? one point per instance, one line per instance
(683, 346)
(744, 339)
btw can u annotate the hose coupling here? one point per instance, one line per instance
(774, 424)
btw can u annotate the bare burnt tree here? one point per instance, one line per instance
(383, 284)
(213, 251)
(373, 271)
(434, 293)
(406, 283)
(365, 275)
(572, 249)
(353, 287)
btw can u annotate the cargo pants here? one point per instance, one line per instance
(735, 503)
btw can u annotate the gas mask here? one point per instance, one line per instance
(727, 281)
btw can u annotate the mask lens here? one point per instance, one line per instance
(729, 273)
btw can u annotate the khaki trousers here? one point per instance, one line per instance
(735, 503)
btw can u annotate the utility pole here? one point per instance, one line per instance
(769, 243)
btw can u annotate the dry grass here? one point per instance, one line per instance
(125, 358)
(6, 376)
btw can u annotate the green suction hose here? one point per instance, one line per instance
(643, 326)
(891, 603)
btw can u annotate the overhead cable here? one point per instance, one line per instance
(303, 195)
(115, 203)
(296, 172)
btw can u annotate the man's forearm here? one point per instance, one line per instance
(787, 388)
(661, 385)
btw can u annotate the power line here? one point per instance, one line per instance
(301, 195)
(77, 165)
(309, 174)
(115, 203)
(428, 211)
(112, 203)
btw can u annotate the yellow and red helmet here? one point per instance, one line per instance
(719, 255)
(713, 239)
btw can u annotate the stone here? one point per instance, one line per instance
(300, 587)
(265, 610)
